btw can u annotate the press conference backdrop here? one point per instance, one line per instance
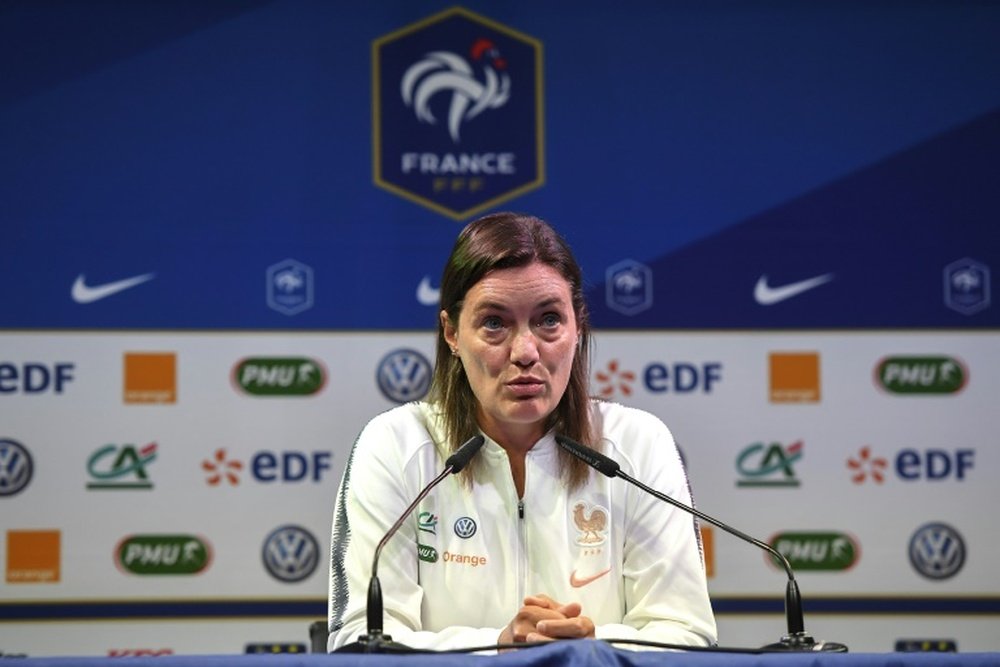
(224, 225)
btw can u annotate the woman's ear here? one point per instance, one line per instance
(450, 333)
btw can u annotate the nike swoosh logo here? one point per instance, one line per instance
(766, 295)
(83, 293)
(580, 582)
(427, 295)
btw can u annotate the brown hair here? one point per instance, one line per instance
(501, 241)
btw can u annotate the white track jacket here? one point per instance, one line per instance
(459, 568)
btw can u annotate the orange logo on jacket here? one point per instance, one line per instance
(592, 524)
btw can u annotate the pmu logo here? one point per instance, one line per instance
(404, 375)
(16, 467)
(290, 553)
(121, 467)
(937, 551)
(279, 376)
(426, 553)
(771, 464)
(457, 103)
(163, 554)
(659, 378)
(921, 375)
(815, 551)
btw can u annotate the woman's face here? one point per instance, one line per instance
(516, 337)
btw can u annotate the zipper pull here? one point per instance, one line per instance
(520, 509)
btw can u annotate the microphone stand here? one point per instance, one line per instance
(375, 640)
(797, 638)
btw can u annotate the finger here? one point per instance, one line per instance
(528, 618)
(570, 610)
(541, 600)
(573, 628)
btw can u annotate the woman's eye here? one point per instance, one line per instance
(550, 320)
(492, 323)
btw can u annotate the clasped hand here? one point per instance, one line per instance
(543, 619)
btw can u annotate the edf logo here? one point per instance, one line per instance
(267, 466)
(912, 465)
(35, 378)
(933, 464)
(289, 466)
(659, 378)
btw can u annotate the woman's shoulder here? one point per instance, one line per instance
(401, 415)
(412, 425)
(611, 416)
(631, 433)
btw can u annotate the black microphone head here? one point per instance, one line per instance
(461, 457)
(591, 457)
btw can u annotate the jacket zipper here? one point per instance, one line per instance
(522, 554)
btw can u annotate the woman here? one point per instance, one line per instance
(526, 544)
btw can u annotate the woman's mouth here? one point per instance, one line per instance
(526, 387)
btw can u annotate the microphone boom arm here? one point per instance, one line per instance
(374, 612)
(797, 638)
(793, 599)
(375, 640)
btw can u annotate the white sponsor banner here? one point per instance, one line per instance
(842, 444)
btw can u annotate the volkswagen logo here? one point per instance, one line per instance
(465, 527)
(404, 375)
(937, 551)
(16, 467)
(290, 553)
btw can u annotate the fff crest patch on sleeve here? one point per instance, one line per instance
(457, 113)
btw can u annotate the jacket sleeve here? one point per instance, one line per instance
(666, 589)
(379, 482)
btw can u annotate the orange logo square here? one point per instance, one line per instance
(795, 377)
(708, 550)
(150, 377)
(33, 556)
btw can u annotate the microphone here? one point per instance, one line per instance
(797, 638)
(375, 640)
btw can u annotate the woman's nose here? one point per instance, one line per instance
(524, 350)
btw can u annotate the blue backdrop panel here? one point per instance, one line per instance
(716, 165)
(713, 142)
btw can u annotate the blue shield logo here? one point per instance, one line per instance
(457, 102)
(289, 287)
(967, 286)
(629, 286)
